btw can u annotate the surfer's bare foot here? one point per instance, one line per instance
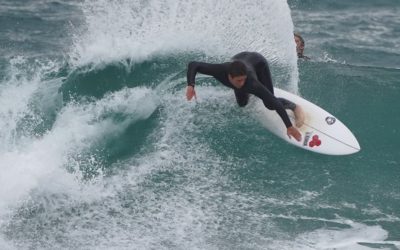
(299, 116)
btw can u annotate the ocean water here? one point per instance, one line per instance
(100, 150)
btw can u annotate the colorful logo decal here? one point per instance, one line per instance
(330, 120)
(315, 141)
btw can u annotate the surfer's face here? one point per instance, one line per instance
(237, 81)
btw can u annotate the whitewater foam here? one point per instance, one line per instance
(76, 129)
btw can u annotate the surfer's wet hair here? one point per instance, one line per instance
(237, 68)
(300, 37)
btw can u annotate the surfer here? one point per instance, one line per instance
(247, 73)
(300, 45)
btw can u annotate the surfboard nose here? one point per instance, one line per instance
(353, 143)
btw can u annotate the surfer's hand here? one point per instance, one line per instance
(292, 131)
(190, 92)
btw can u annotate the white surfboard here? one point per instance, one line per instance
(321, 133)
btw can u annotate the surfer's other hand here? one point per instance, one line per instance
(190, 92)
(292, 131)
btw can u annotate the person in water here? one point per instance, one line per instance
(300, 45)
(247, 73)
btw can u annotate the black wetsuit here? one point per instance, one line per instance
(258, 81)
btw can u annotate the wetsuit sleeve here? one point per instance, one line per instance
(270, 101)
(211, 69)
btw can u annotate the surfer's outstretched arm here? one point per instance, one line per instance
(216, 70)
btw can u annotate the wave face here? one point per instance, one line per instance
(100, 150)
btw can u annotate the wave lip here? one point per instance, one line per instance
(139, 30)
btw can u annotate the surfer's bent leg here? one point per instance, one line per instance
(264, 75)
(242, 98)
(287, 104)
(297, 110)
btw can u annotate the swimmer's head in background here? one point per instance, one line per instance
(300, 44)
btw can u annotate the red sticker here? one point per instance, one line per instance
(315, 141)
